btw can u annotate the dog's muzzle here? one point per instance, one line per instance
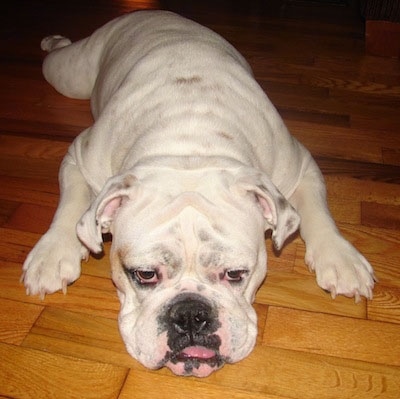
(191, 323)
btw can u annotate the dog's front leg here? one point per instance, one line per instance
(339, 267)
(55, 261)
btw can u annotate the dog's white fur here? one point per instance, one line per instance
(187, 164)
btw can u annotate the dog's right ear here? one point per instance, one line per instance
(99, 217)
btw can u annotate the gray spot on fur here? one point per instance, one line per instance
(128, 181)
(290, 224)
(210, 259)
(225, 135)
(203, 236)
(188, 81)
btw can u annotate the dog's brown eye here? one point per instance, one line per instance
(146, 276)
(235, 275)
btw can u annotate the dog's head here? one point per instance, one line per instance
(188, 255)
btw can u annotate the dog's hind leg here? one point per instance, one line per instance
(339, 267)
(71, 68)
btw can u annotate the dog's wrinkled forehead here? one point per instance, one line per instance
(135, 256)
(189, 238)
(176, 248)
(186, 247)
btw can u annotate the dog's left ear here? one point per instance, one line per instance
(98, 218)
(279, 215)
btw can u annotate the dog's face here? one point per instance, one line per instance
(187, 264)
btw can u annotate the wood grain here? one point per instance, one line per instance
(342, 103)
(27, 373)
(16, 320)
(330, 335)
(380, 215)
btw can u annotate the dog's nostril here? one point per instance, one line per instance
(202, 325)
(178, 328)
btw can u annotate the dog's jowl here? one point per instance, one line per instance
(187, 165)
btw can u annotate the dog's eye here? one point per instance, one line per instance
(146, 277)
(235, 275)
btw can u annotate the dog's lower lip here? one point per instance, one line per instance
(196, 352)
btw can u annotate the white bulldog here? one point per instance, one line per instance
(187, 165)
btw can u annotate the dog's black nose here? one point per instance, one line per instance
(191, 322)
(191, 316)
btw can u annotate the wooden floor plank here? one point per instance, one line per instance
(31, 217)
(26, 147)
(31, 191)
(356, 144)
(302, 375)
(342, 337)
(345, 195)
(42, 102)
(386, 304)
(27, 373)
(16, 320)
(7, 209)
(74, 331)
(391, 156)
(15, 245)
(140, 385)
(374, 214)
(28, 168)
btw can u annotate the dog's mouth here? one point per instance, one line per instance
(197, 360)
(196, 352)
(191, 322)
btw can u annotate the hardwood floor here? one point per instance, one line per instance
(341, 103)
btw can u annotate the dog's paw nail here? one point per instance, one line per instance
(357, 297)
(42, 295)
(64, 286)
(333, 292)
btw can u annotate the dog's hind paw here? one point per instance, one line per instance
(53, 42)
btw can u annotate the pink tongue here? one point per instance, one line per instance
(199, 352)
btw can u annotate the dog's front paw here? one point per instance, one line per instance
(53, 264)
(341, 269)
